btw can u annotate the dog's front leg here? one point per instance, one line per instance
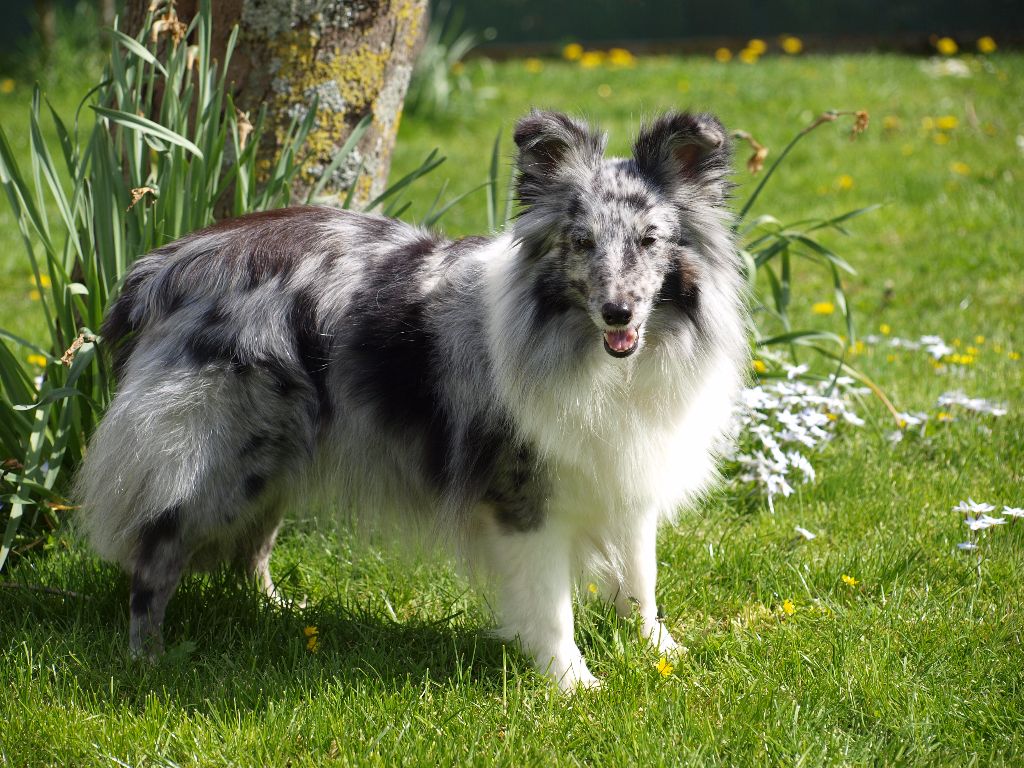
(532, 573)
(639, 574)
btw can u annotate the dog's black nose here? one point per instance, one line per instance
(616, 314)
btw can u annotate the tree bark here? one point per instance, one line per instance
(355, 56)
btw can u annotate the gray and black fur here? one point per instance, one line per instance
(454, 384)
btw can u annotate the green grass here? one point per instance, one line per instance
(919, 663)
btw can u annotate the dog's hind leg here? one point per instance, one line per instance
(160, 558)
(254, 552)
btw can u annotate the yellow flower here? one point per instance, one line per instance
(620, 57)
(831, 416)
(986, 45)
(791, 45)
(748, 56)
(592, 59)
(823, 308)
(604, 90)
(760, 367)
(572, 52)
(312, 639)
(890, 358)
(35, 295)
(946, 46)
(972, 350)
(947, 123)
(850, 581)
(943, 416)
(885, 329)
(787, 607)
(927, 124)
(1013, 355)
(592, 588)
(6, 85)
(534, 66)
(757, 46)
(979, 339)
(941, 138)
(956, 342)
(44, 280)
(664, 667)
(723, 55)
(37, 360)
(845, 182)
(960, 168)
(891, 123)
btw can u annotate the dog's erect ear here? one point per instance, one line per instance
(680, 148)
(552, 148)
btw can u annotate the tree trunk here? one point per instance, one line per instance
(355, 56)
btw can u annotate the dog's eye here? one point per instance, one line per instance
(648, 240)
(583, 243)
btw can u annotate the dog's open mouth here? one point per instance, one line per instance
(621, 342)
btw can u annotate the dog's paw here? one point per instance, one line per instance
(579, 681)
(661, 639)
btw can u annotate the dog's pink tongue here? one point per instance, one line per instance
(620, 341)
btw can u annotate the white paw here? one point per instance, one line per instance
(661, 640)
(574, 680)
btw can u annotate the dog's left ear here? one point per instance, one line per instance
(682, 148)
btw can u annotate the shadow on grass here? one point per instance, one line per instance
(227, 643)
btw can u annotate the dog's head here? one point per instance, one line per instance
(627, 241)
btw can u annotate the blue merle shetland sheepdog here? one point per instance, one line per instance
(538, 400)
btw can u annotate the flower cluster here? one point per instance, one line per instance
(779, 422)
(615, 58)
(977, 519)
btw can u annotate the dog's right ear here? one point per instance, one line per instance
(553, 149)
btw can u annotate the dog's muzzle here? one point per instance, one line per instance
(621, 342)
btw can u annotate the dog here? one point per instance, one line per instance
(539, 400)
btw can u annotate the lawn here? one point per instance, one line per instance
(917, 662)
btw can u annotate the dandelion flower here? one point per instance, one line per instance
(748, 56)
(787, 607)
(37, 360)
(592, 588)
(891, 123)
(723, 55)
(1013, 355)
(947, 123)
(534, 66)
(823, 308)
(592, 59)
(941, 138)
(35, 295)
(620, 57)
(760, 366)
(943, 416)
(44, 280)
(845, 182)
(979, 340)
(885, 329)
(312, 639)
(664, 668)
(946, 46)
(986, 45)
(572, 52)
(757, 46)
(850, 581)
(6, 86)
(791, 45)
